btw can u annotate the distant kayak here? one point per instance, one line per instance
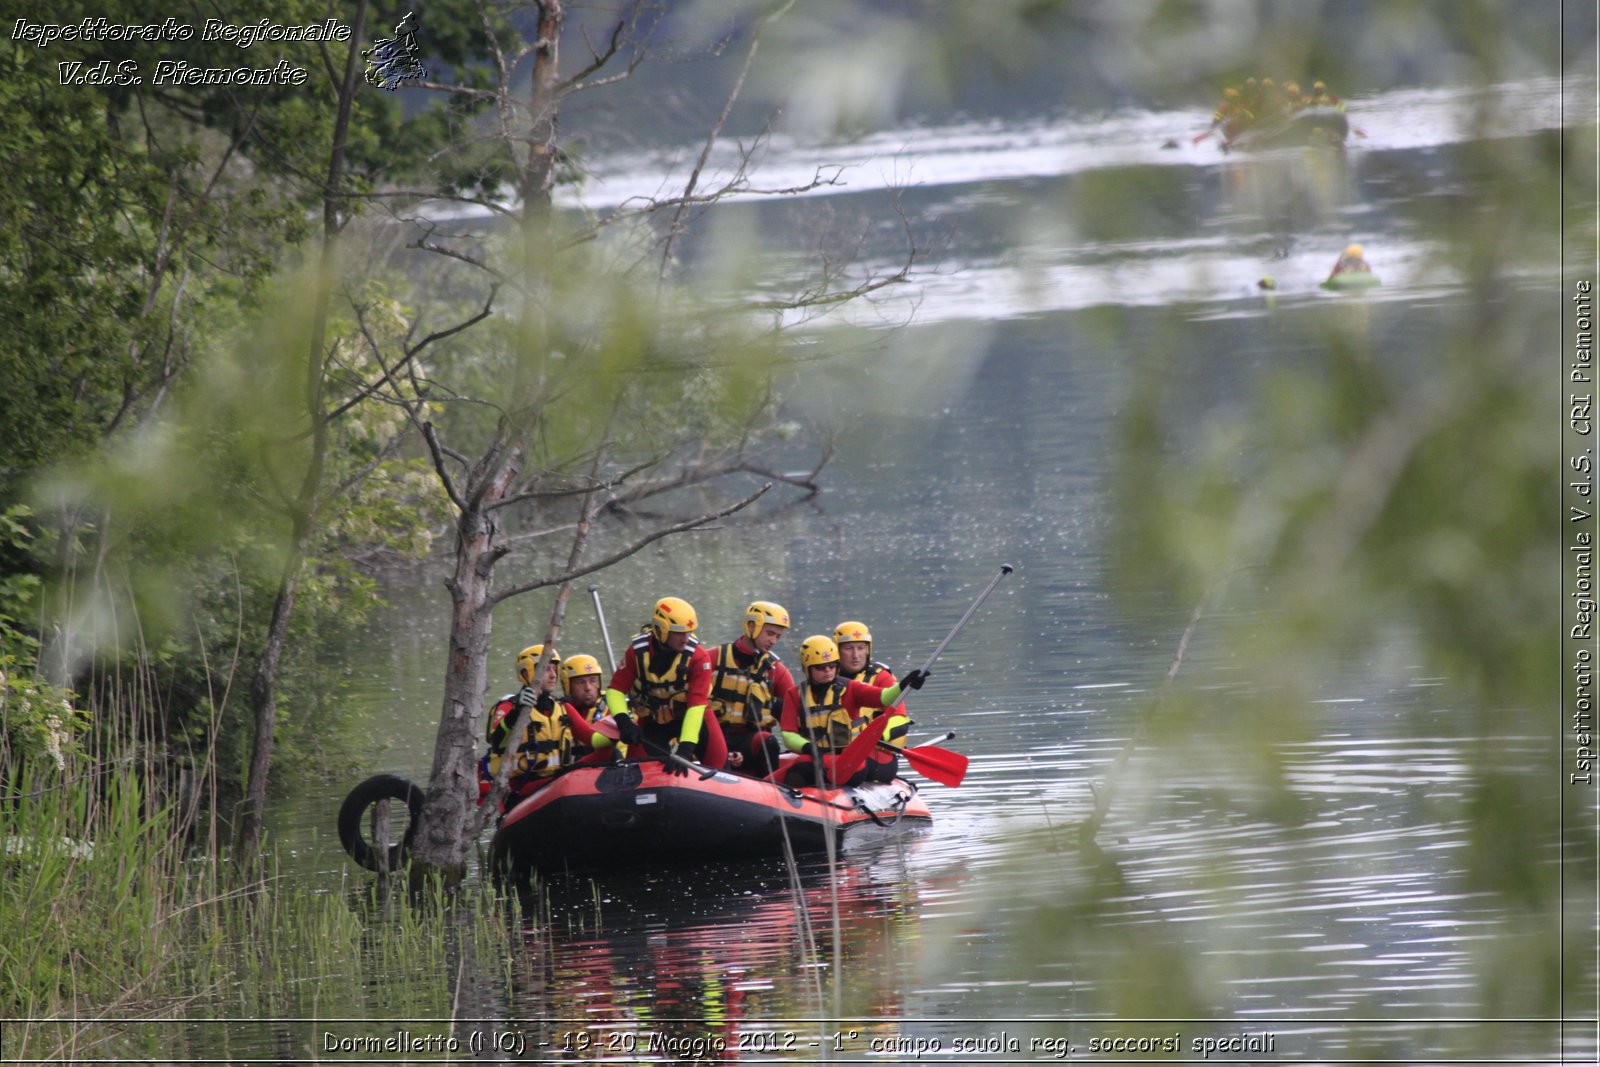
(631, 813)
(1352, 280)
(1352, 271)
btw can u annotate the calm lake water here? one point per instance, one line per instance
(1324, 921)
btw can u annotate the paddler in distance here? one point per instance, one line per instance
(1351, 271)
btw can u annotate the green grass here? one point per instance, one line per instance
(108, 917)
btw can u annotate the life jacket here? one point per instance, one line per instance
(741, 694)
(660, 698)
(828, 724)
(546, 745)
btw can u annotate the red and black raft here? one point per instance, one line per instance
(626, 813)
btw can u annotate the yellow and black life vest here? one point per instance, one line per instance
(545, 747)
(741, 693)
(828, 724)
(660, 697)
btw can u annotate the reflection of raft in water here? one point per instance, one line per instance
(629, 813)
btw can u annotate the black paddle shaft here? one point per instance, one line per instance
(1005, 569)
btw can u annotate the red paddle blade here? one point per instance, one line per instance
(940, 764)
(856, 753)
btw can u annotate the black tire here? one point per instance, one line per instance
(352, 814)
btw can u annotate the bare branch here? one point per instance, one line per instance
(356, 477)
(641, 207)
(547, 494)
(457, 90)
(439, 452)
(676, 229)
(538, 535)
(425, 245)
(623, 553)
(412, 351)
(599, 59)
(422, 196)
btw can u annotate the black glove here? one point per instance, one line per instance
(808, 749)
(678, 766)
(545, 703)
(687, 750)
(913, 680)
(527, 697)
(628, 731)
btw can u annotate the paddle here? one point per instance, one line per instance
(942, 765)
(605, 635)
(1005, 569)
(855, 754)
(608, 728)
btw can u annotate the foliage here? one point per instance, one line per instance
(151, 220)
(107, 915)
(36, 718)
(201, 497)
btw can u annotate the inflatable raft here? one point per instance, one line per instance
(628, 813)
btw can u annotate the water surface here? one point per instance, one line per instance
(1323, 910)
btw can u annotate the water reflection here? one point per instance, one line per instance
(746, 961)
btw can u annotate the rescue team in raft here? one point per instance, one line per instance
(734, 707)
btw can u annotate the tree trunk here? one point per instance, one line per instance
(446, 826)
(263, 686)
(264, 703)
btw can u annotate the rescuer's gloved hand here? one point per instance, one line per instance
(628, 731)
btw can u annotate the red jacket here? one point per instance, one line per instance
(702, 667)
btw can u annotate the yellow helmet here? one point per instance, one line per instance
(818, 651)
(673, 615)
(853, 631)
(528, 659)
(579, 666)
(762, 613)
